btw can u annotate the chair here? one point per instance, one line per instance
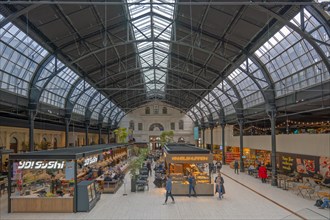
(295, 188)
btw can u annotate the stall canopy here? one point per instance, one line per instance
(186, 153)
(184, 149)
(66, 153)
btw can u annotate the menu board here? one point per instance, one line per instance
(287, 163)
(304, 164)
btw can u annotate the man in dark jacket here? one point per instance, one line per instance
(236, 166)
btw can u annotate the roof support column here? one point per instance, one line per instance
(100, 133)
(86, 132)
(203, 130)
(241, 163)
(32, 114)
(67, 124)
(223, 125)
(108, 133)
(272, 117)
(211, 149)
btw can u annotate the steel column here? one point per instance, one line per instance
(32, 114)
(272, 117)
(241, 163)
(223, 125)
(67, 124)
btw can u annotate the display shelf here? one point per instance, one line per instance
(87, 196)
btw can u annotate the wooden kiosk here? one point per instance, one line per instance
(48, 181)
(182, 159)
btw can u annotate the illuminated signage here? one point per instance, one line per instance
(189, 158)
(90, 160)
(40, 165)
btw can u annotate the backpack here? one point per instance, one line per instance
(318, 203)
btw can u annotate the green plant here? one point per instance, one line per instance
(136, 163)
(166, 137)
(121, 134)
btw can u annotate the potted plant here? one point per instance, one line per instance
(135, 166)
(121, 134)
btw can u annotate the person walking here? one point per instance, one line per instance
(192, 184)
(168, 190)
(236, 166)
(220, 188)
(149, 167)
(219, 166)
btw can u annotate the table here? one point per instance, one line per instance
(323, 194)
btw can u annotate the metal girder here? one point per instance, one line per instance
(17, 14)
(34, 91)
(303, 34)
(68, 104)
(319, 17)
(238, 106)
(178, 71)
(179, 57)
(187, 3)
(70, 25)
(142, 94)
(188, 90)
(88, 113)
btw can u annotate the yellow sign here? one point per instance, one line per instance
(190, 158)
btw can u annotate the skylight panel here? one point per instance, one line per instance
(151, 22)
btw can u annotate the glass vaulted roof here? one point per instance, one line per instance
(20, 56)
(22, 59)
(292, 61)
(152, 28)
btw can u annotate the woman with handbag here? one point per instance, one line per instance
(220, 188)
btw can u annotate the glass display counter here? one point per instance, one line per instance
(182, 160)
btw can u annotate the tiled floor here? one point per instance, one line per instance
(239, 203)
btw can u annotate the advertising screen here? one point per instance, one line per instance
(196, 133)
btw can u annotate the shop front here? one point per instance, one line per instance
(57, 180)
(182, 160)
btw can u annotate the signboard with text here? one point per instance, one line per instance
(196, 133)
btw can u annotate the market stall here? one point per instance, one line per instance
(182, 159)
(52, 180)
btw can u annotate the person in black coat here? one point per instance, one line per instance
(236, 166)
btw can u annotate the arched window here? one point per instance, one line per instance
(180, 125)
(164, 110)
(131, 125)
(147, 110)
(13, 144)
(156, 127)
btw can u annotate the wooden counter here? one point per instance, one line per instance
(203, 189)
(37, 204)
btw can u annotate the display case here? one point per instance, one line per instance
(88, 195)
(182, 160)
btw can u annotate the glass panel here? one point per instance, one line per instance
(152, 54)
(19, 58)
(291, 57)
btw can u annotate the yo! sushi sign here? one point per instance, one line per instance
(90, 160)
